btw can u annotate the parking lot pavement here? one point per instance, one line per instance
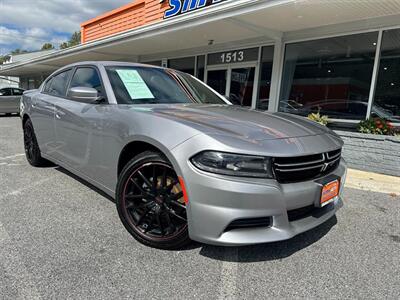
(61, 239)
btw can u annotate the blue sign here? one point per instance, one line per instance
(178, 7)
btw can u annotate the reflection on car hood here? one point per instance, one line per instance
(239, 122)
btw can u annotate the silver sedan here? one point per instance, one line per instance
(181, 162)
(9, 100)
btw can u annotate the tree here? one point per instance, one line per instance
(64, 45)
(18, 51)
(47, 46)
(74, 40)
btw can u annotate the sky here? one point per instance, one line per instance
(29, 24)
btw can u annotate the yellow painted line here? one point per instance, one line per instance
(373, 182)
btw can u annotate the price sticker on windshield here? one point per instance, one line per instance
(135, 84)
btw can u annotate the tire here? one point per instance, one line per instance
(32, 150)
(150, 202)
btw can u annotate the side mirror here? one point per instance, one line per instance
(84, 94)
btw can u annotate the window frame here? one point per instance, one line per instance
(260, 63)
(374, 84)
(308, 37)
(328, 36)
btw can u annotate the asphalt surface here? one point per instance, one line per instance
(59, 238)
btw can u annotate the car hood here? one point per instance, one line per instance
(239, 122)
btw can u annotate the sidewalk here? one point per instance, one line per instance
(373, 182)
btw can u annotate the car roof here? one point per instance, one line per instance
(11, 87)
(110, 63)
(104, 64)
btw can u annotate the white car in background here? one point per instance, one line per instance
(9, 100)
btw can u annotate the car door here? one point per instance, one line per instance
(7, 101)
(17, 94)
(79, 125)
(42, 114)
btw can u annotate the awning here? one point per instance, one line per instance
(225, 24)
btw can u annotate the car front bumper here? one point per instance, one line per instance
(217, 201)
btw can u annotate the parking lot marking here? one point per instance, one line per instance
(12, 156)
(14, 268)
(229, 273)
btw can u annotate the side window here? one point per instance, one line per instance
(59, 84)
(47, 86)
(5, 92)
(17, 92)
(87, 77)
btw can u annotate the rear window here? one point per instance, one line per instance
(17, 92)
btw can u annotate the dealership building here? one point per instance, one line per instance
(296, 56)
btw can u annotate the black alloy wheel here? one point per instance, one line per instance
(150, 202)
(32, 150)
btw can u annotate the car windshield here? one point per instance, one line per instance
(146, 85)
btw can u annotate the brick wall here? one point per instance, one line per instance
(373, 153)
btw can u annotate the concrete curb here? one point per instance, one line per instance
(373, 182)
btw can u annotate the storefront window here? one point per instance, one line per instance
(24, 83)
(185, 64)
(29, 83)
(201, 61)
(265, 77)
(387, 94)
(331, 75)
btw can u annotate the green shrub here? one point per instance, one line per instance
(317, 117)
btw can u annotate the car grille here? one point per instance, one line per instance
(303, 168)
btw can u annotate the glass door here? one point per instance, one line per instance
(242, 86)
(235, 81)
(217, 79)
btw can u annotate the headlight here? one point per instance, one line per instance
(233, 164)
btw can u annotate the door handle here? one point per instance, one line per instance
(58, 116)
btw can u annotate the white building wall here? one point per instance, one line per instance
(9, 82)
